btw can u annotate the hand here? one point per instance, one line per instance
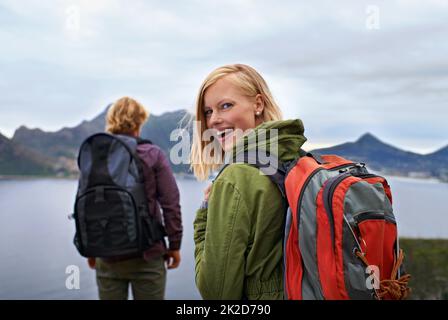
(91, 262)
(207, 191)
(172, 259)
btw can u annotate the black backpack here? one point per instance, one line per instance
(111, 210)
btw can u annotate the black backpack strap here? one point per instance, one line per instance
(220, 171)
(315, 156)
(302, 153)
(143, 141)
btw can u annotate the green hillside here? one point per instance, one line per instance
(427, 262)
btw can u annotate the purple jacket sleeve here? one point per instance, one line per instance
(168, 198)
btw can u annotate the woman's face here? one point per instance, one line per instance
(226, 110)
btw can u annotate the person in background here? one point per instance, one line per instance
(145, 273)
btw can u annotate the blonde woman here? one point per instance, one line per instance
(145, 273)
(238, 229)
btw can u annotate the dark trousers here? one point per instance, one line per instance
(147, 279)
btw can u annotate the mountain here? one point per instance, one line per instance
(62, 143)
(158, 128)
(62, 146)
(440, 155)
(381, 156)
(33, 151)
(19, 160)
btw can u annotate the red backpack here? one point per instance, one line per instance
(341, 237)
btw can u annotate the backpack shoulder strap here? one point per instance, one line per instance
(143, 141)
(278, 177)
(131, 148)
(315, 156)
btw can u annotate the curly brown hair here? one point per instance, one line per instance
(126, 116)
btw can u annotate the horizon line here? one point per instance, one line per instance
(309, 145)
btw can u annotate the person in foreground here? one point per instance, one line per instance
(238, 228)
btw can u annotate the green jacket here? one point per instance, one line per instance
(238, 237)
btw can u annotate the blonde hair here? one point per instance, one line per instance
(251, 83)
(126, 116)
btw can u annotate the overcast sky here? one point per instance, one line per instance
(343, 67)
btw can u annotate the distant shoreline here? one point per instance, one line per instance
(31, 177)
(73, 177)
(409, 178)
(192, 177)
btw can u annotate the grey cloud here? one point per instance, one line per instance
(337, 73)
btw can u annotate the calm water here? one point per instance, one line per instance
(36, 236)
